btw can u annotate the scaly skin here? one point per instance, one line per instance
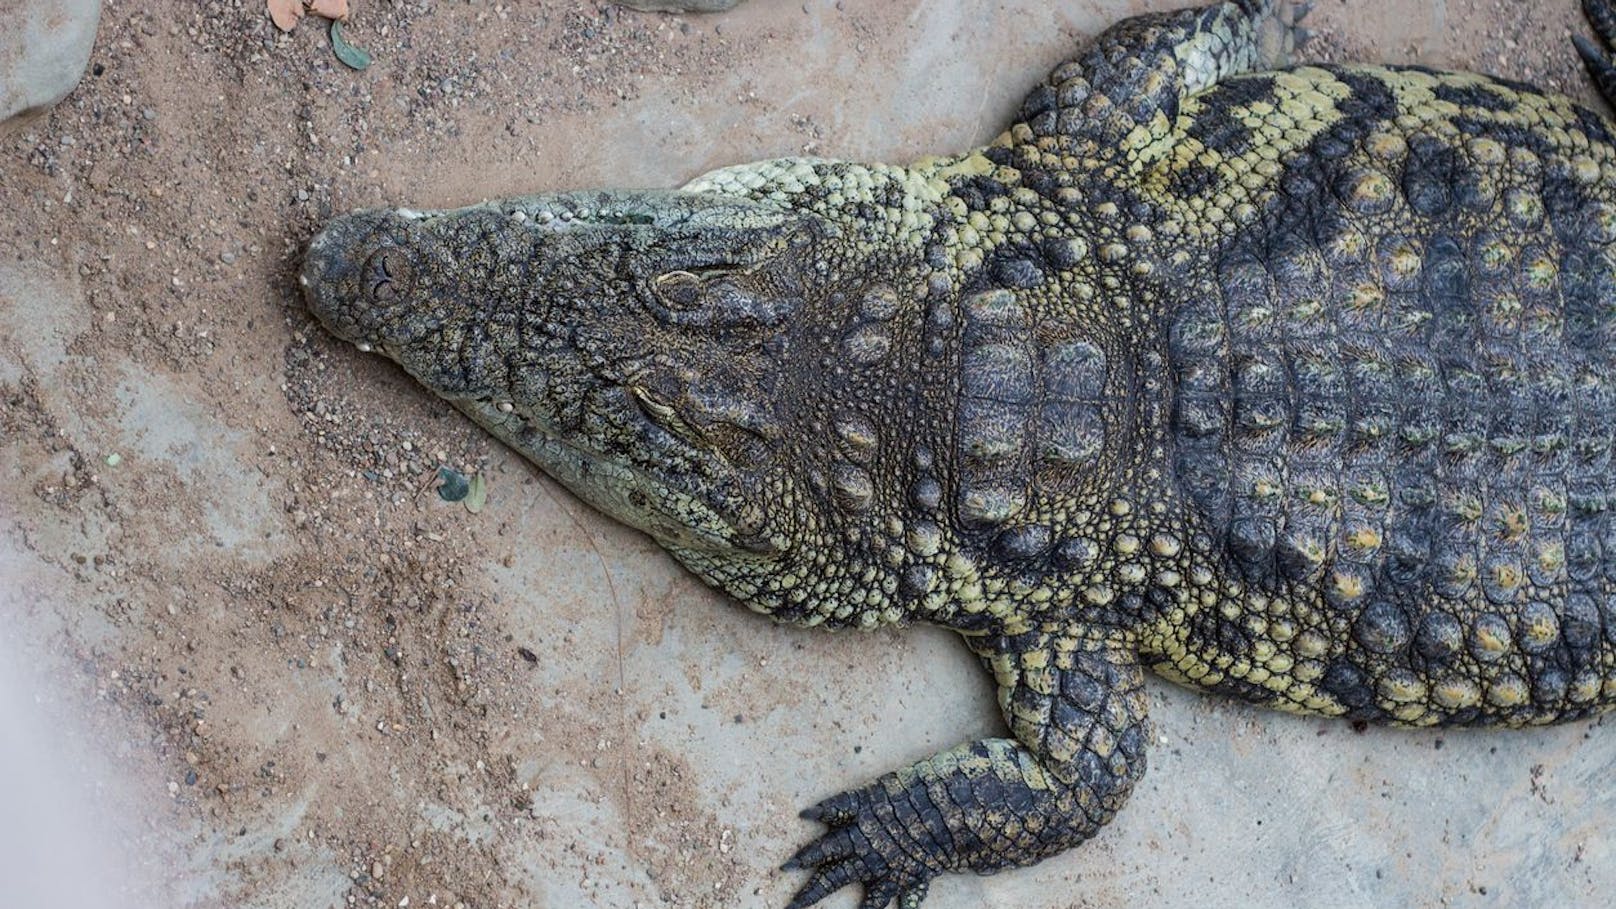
(1291, 384)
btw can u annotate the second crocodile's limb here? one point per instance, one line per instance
(1597, 57)
(1119, 97)
(1075, 705)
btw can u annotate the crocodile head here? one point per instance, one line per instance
(626, 342)
(640, 347)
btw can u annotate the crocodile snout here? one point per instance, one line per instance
(354, 270)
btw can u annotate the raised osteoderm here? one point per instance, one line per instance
(1298, 385)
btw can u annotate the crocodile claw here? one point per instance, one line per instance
(858, 848)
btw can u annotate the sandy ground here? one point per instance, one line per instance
(280, 672)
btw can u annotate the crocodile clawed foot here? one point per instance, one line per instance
(858, 848)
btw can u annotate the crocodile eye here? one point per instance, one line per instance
(678, 289)
(651, 401)
(389, 274)
(658, 411)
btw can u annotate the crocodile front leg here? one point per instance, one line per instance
(1120, 95)
(1076, 708)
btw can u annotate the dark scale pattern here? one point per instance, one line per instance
(1399, 398)
(1030, 416)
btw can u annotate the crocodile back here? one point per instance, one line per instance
(1394, 405)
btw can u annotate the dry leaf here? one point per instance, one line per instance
(285, 13)
(331, 9)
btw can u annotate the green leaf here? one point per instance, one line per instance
(477, 496)
(351, 57)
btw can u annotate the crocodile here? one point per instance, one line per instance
(1295, 383)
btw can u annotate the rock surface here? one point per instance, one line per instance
(43, 51)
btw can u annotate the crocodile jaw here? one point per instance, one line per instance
(537, 316)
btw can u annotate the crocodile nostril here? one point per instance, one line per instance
(389, 274)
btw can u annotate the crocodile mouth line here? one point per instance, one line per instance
(598, 479)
